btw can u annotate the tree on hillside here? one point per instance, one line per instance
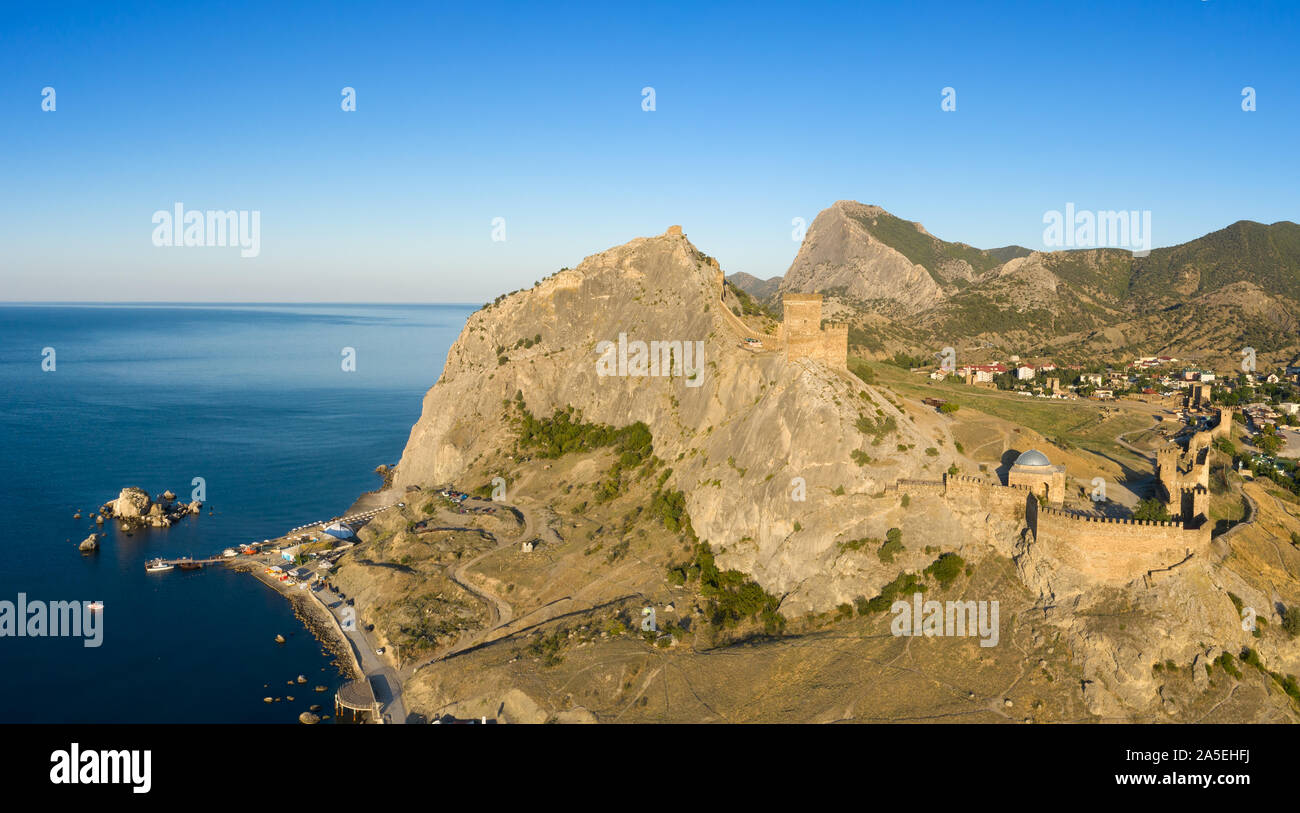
(1151, 510)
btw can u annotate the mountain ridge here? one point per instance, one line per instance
(929, 290)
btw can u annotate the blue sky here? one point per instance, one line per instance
(468, 112)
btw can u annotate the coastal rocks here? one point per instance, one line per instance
(279, 639)
(307, 718)
(133, 509)
(302, 679)
(131, 503)
(157, 516)
(90, 543)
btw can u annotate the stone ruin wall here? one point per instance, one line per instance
(803, 336)
(1116, 551)
(1106, 550)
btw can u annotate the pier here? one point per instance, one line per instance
(212, 560)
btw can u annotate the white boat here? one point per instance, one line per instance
(95, 606)
(156, 566)
(230, 553)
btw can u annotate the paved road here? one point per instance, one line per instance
(386, 680)
(383, 678)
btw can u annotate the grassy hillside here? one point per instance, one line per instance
(1268, 256)
(923, 249)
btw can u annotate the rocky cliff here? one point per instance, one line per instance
(839, 252)
(737, 437)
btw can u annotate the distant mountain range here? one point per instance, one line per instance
(901, 288)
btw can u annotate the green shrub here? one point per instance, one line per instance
(946, 568)
(892, 547)
(1229, 664)
(1151, 510)
(904, 584)
(732, 597)
(1291, 621)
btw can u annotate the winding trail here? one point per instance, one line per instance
(501, 614)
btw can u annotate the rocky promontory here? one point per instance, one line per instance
(134, 508)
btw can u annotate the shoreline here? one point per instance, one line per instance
(314, 616)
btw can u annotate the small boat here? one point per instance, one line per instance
(156, 566)
(230, 553)
(189, 564)
(95, 606)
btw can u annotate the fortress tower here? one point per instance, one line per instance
(802, 335)
(1167, 459)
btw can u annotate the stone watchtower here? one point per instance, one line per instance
(802, 335)
(1167, 459)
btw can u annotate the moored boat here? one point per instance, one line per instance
(156, 566)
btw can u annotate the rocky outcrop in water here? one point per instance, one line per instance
(134, 508)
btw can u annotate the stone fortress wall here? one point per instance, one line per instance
(1106, 550)
(1117, 551)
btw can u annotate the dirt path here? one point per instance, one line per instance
(499, 610)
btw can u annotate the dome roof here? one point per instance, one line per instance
(1033, 457)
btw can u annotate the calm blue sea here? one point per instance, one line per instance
(254, 400)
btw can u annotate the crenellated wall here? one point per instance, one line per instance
(1009, 501)
(1115, 551)
(1106, 550)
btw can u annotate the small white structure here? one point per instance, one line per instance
(1024, 373)
(527, 547)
